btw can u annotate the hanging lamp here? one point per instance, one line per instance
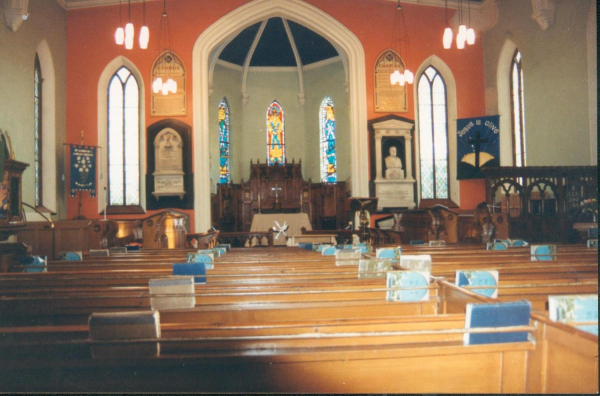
(396, 77)
(447, 40)
(470, 30)
(164, 51)
(129, 31)
(144, 32)
(120, 32)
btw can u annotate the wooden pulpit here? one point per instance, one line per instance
(11, 211)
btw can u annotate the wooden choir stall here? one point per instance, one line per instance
(280, 190)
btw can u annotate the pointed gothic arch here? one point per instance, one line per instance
(350, 50)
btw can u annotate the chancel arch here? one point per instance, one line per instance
(445, 73)
(350, 51)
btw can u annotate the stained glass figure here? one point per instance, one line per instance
(123, 139)
(224, 167)
(433, 135)
(275, 134)
(328, 153)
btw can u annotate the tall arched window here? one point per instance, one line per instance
(328, 153)
(433, 134)
(224, 168)
(275, 134)
(517, 109)
(123, 139)
(37, 130)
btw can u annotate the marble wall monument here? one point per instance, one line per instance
(394, 183)
(168, 173)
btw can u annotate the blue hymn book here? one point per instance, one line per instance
(514, 313)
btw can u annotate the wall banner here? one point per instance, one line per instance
(478, 145)
(83, 170)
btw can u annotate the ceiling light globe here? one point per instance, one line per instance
(447, 38)
(157, 85)
(129, 34)
(460, 41)
(144, 37)
(120, 36)
(470, 36)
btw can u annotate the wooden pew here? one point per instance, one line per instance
(408, 355)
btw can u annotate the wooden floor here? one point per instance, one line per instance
(289, 320)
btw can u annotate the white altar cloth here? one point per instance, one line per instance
(264, 222)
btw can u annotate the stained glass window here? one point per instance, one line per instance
(37, 130)
(517, 107)
(433, 134)
(328, 153)
(123, 139)
(224, 168)
(275, 134)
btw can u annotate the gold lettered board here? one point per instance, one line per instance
(389, 98)
(168, 65)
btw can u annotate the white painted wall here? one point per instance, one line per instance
(44, 31)
(555, 74)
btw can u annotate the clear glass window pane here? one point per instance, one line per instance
(433, 135)
(123, 139)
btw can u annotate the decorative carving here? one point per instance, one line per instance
(15, 12)
(543, 12)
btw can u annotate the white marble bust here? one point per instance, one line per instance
(393, 165)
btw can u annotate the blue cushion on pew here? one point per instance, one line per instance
(132, 248)
(33, 263)
(188, 269)
(417, 242)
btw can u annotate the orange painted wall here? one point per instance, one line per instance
(90, 47)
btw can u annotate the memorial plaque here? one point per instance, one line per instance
(168, 65)
(395, 194)
(389, 98)
(168, 174)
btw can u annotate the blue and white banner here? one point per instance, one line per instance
(83, 170)
(477, 145)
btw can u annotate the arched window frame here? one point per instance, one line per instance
(103, 83)
(517, 109)
(130, 164)
(224, 143)
(440, 188)
(327, 142)
(280, 141)
(37, 132)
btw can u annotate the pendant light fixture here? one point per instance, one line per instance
(165, 55)
(470, 30)
(464, 35)
(144, 32)
(400, 36)
(447, 32)
(129, 31)
(120, 32)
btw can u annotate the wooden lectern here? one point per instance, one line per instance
(360, 211)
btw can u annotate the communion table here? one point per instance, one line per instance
(295, 221)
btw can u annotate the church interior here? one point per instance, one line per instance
(299, 196)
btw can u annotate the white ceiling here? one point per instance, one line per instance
(71, 4)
